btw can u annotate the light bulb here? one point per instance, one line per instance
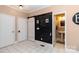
(21, 6)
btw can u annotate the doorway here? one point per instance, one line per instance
(59, 30)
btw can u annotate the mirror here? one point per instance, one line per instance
(62, 23)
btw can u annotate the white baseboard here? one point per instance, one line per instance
(71, 50)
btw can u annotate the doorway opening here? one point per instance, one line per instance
(59, 30)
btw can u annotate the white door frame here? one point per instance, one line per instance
(32, 38)
(56, 12)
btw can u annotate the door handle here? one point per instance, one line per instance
(41, 38)
(18, 30)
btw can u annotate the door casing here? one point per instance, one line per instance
(31, 28)
(57, 12)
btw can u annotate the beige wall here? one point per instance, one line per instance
(46, 10)
(72, 30)
(11, 11)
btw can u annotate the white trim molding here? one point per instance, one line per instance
(56, 12)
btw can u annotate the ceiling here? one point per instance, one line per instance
(28, 8)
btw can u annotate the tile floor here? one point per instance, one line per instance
(59, 48)
(33, 47)
(28, 47)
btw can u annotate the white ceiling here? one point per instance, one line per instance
(28, 8)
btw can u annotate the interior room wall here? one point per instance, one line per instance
(72, 30)
(72, 35)
(11, 11)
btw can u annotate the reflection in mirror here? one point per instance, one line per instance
(62, 23)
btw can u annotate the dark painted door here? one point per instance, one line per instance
(43, 27)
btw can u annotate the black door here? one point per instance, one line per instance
(43, 27)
